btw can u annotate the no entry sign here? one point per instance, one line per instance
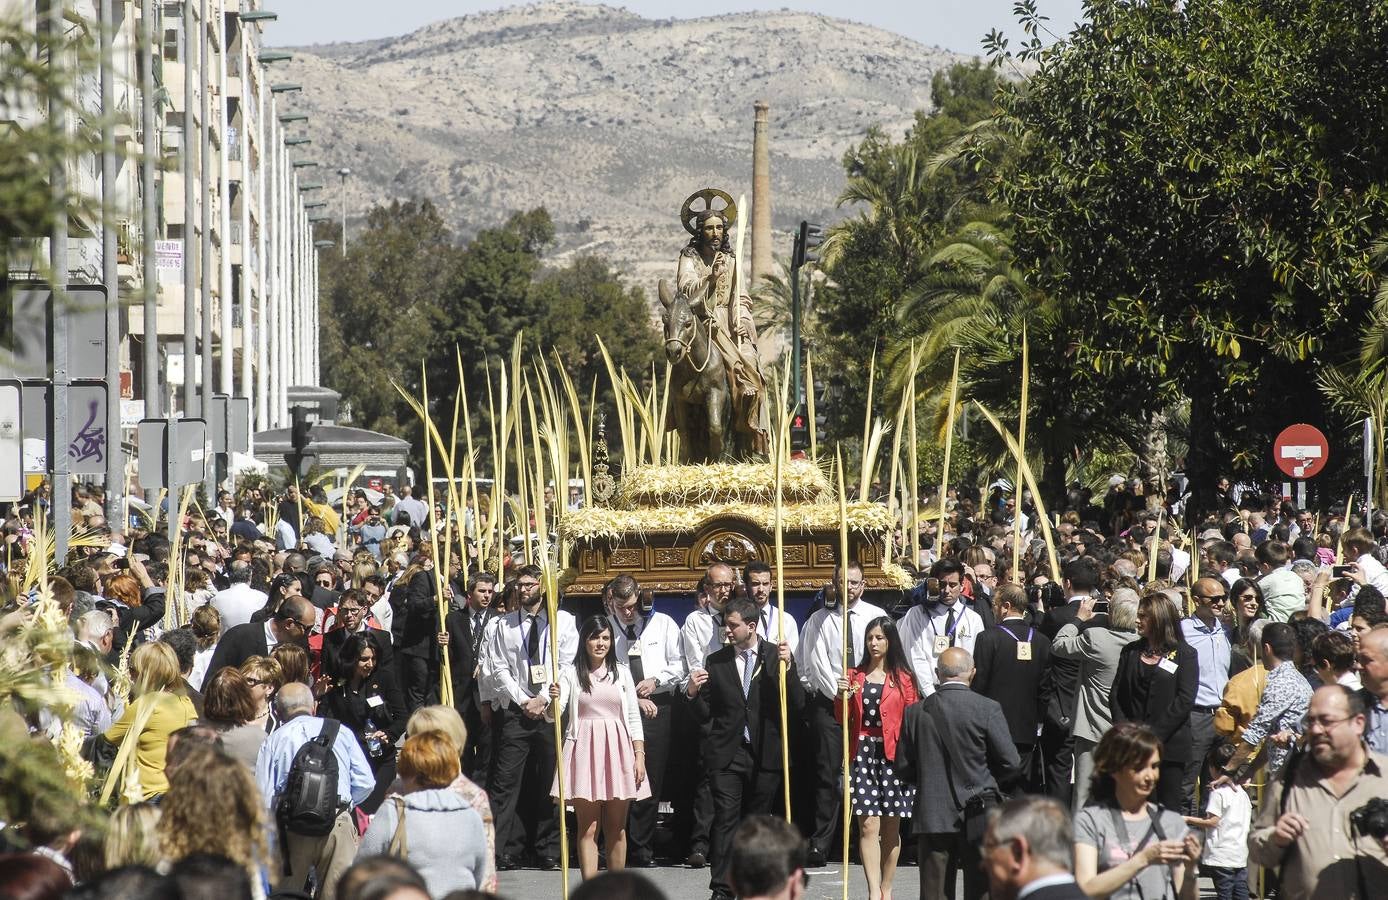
(1301, 451)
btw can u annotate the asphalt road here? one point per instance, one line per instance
(680, 883)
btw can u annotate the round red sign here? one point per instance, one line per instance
(1301, 451)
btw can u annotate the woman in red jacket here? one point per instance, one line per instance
(879, 690)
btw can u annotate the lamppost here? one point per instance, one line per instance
(342, 174)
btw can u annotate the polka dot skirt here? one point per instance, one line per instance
(876, 790)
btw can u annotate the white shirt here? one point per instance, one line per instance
(237, 603)
(923, 624)
(506, 663)
(1230, 576)
(383, 612)
(285, 539)
(1373, 572)
(659, 640)
(1226, 845)
(821, 645)
(201, 658)
(768, 626)
(1180, 561)
(740, 660)
(701, 634)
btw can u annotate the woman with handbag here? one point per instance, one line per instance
(1157, 678)
(1126, 846)
(431, 825)
(604, 745)
(879, 690)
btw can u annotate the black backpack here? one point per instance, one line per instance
(308, 804)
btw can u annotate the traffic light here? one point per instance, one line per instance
(807, 240)
(299, 460)
(799, 432)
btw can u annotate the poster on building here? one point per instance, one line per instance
(168, 257)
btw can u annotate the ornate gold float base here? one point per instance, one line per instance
(674, 563)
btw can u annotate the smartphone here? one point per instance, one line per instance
(1341, 571)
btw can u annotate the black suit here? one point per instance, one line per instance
(239, 644)
(742, 744)
(1068, 891)
(464, 654)
(332, 650)
(132, 618)
(1060, 694)
(1014, 683)
(1162, 700)
(380, 701)
(415, 630)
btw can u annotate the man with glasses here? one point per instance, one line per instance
(520, 666)
(701, 635)
(352, 617)
(1204, 630)
(290, 624)
(821, 667)
(1303, 827)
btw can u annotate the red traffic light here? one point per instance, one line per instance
(798, 421)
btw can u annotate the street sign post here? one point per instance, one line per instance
(1301, 451)
(11, 441)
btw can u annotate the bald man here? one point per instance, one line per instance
(1206, 631)
(955, 746)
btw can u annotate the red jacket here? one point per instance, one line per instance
(895, 698)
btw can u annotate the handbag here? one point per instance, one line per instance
(973, 815)
(399, 842)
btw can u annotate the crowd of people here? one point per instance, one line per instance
(1155, 706)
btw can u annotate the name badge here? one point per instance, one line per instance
(941, 644)
(634, 649)
(537, 674)
(1024, 650)
(374, 702)
(1167, 665)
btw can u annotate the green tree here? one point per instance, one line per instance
(1201, 186)
(380, 312)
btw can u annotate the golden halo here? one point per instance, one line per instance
(689, 215)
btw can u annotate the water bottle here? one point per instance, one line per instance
(373, 743)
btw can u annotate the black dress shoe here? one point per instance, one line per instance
(548, 863)
(696, 860)
(641, 862)
(505, 863)
(814, 859)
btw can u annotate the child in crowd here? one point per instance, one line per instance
(1228, 815)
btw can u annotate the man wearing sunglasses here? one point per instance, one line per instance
(1204, 629)
(290, 624)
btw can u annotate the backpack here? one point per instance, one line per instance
(308, 804)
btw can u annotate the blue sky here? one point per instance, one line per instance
(953, 24)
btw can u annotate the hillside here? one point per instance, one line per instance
(606, 118)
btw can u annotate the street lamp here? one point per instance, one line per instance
(342, 174)
(304, 163)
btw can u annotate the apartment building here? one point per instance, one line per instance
(213, 260)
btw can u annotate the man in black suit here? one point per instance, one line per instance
(1080, 579)
(290, 624)
(955, 747)
(462, 641)
(1011, 659)
(738, 697)
(350, 619)
(1029, 847)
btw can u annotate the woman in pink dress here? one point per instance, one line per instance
(604, 749)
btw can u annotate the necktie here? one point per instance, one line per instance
(749, 662)
(638, 672)
(949, 625)
(854, 651)
(532, 647)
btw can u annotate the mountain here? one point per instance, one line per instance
(607, 119)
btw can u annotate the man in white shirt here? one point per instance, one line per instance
(412, 507)
(821, 667)
(520, 667)
(942, 621)
(701, 635)
(649, 643)
(239, 601)
(756, 576)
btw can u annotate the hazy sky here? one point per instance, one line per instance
(952, 24)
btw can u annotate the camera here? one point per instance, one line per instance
(1045, 596)
(1371, 819)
